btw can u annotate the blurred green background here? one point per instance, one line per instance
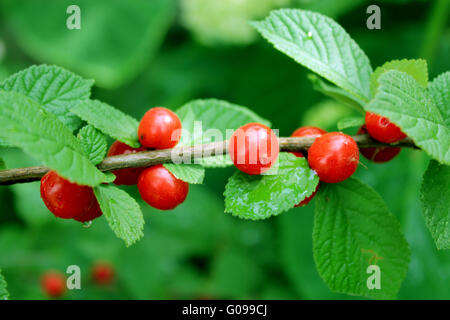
(145, 53)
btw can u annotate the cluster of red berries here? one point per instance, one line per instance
(334, 156)
(53, 283)
(159, 128)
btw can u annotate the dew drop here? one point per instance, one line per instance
(87, 224)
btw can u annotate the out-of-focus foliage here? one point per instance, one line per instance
(197, 250)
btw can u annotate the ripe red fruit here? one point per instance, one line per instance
(381, 129)
(307, 131)
(53, 283)
(102, 273)
(125, 176)
(379, 154)
(305, 201)
(161, 189)
(254, 148)
(66, 199)
(90, 214)
(334, 156)
(160, 128)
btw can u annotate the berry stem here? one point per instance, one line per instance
(153, 157)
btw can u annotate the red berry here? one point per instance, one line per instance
(160, 128)
(307, 131)
(66, 199)
(254, 148)
(53, 283)
(102, 273)
(161, 189)
(90, 214)
(125, 176)
(381, 129)
(334, 156)
(305, 201)
(379, 154)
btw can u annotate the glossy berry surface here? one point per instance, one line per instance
(161, 189)
(160, 128)
(334, 157)
(379, 154)
(381, 129)
(307, 131)
(53, 284)
(66, 199)
(102, 273)
(90, 214)
(254, 148)
(125, 176)
(305, 201)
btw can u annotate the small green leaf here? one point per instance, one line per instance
(4, 294)
(55, 88)
(256, 197)
(336, 93)
(42, 136)
(435, 196)
(406, 103)
(212, 120)
(190, 173)
(320, 44)
(439, 89)
(418, 69)
(93, 143)
(122, 213)
(350, 122)
(354, 229)
(109, 120)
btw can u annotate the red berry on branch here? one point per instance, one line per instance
(381, 129)
(161, 189)
(90, 214)
(254, 148)
(334, 157)
(66, 199)
(307, 131)
(305, 201)
(102, 273)
(53, 284)
(125, 176)
(160, 128)
(378, 154)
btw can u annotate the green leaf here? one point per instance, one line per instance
(122, 213)
(42, 136)
(256, 197)
(2, 164)
(350, 122)
(435, 196)
(55, 88)
(353, 229)
(320, 44)
(406, 103)
(191, 173)
(135, 31)
(418, 69)
(93, 143)
(109, 120)
(336, 93)
(212, 120)
(439, 89)
(3, 291)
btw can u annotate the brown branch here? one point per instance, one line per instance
(149, 158)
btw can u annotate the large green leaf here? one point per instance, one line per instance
(3, 291)
(320, 44)
(212, 120)
(122, 212)
(109, 120)
(436, 203)
(55, 88)
(115, 42)
(353, 229)
(41, 135)
(256, 197)
(439, 89)
(409, 105)
(93, 143)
